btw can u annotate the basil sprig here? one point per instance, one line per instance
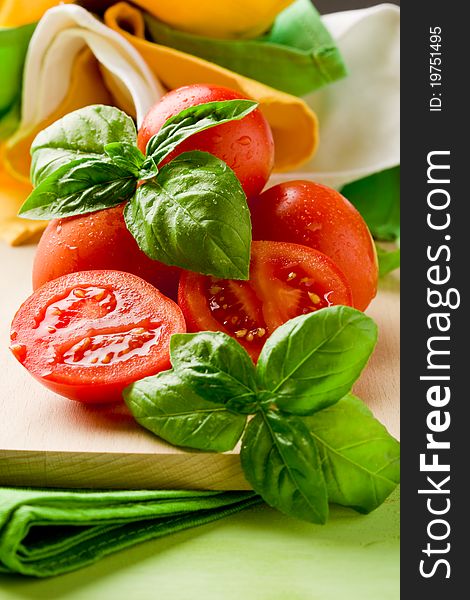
(310, 441)
(192, 213)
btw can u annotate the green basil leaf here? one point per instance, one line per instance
(82, 133)
(79, 187)
(389, 260)
(377, 198)
(194, 215)
(166, 406)
(313, 360)
(280, 460)
(217, 367)
(127, 156)
(192, 120)
(360, 459)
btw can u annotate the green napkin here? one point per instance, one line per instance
(298, 55)
(49, 532)
(377, 198)
(13, 45)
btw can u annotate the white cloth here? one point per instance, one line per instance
(60, 35)
(359, 116)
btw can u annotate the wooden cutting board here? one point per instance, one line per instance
(46, 440)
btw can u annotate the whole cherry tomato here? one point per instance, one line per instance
(246, 145)
(317, 216)
(98, 240)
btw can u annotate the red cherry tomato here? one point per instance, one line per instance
(98, 240)
(247, 145)
(286, 280)
(87, 335)
(317, 216)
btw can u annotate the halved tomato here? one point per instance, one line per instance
(286, 280)
(88, 335)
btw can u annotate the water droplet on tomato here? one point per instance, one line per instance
(314, 226)
(245, 140)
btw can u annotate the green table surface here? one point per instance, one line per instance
(258, 554)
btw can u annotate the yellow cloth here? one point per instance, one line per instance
(225, 19)
(219, 19)
(86, 88)
(12, 194)
(14, 13)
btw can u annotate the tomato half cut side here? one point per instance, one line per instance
(286, 280)
(88, 335)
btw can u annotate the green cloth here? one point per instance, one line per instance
(257, 554)
(298, 55)
(13, 46)
(377, 198)
(49, 532)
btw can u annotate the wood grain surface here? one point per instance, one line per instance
(46, 440)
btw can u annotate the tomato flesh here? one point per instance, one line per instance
(87, 335)
(286, 280)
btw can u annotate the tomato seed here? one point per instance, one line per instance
(214, 289)
(292, 275)
(86, 343)
(249, 337)
(314, 298)
(241, 333)
(79, 293)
